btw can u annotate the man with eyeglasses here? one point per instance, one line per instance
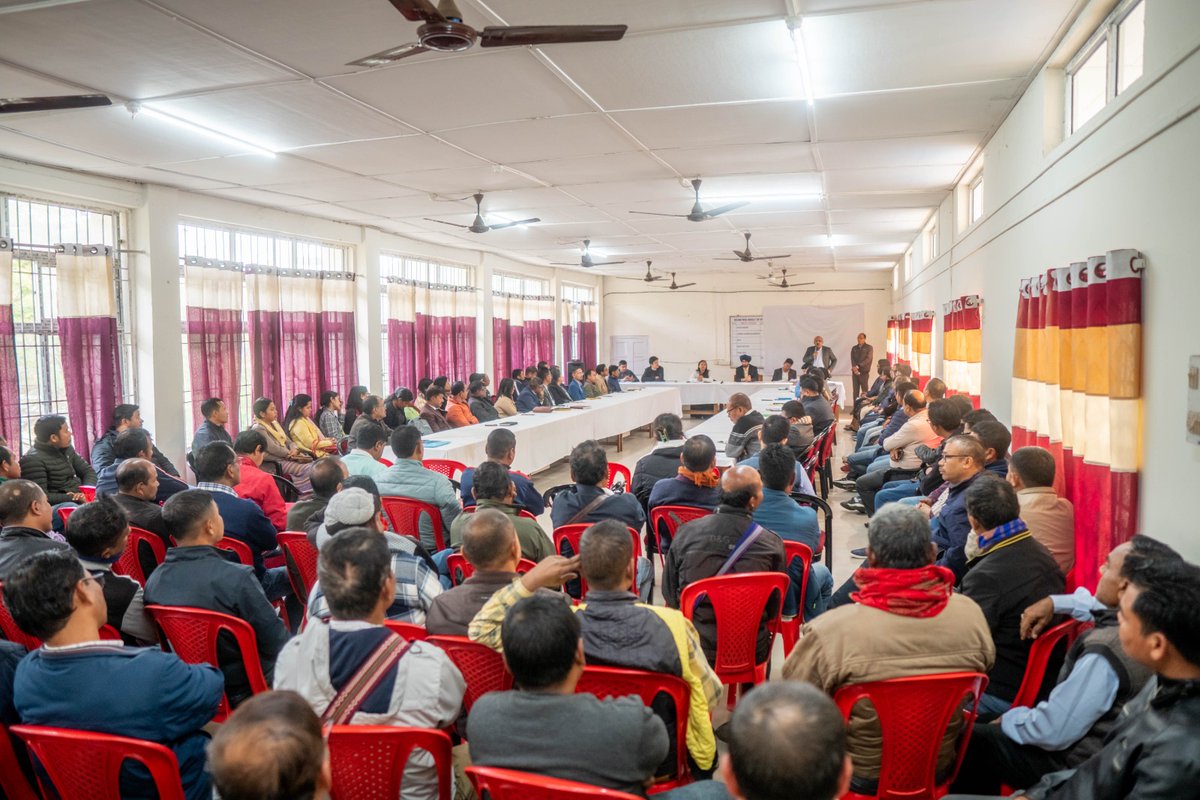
(963, 459)
(743, 440)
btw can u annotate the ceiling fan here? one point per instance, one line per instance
(445, 32)
(783, 281)
(585, 260)
(675, 285)
(18, 105)
(650, 277)
(745, 256)
(698, 214)
(479, 226)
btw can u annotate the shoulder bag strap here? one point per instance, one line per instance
(346, 703)
(582, 513)
(749, 537)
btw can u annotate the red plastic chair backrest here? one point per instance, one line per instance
(914, 714)
(619, 471)
(445, 466)
(794, 550)
(1039, 658)
(238, 548)
(509, 784)
(88, 492)
(8, 627)
(386, 463)
(65, 514)
(672, 517)
(616, 682)
(481, 667)
(129, 563)
(368, 760)
(88, 764)
(408, 630)
(738, 603)
(13, 783)
(572, 534)
(301, 558)
(460, 569)
(192, 635)
(404, 515)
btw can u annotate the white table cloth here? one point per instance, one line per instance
(716, 392)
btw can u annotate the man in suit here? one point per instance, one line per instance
(746, 372)
(785, 373)
(862, 356)
(819, 356)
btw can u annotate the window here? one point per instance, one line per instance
(518, 284)
(397, 268)
(1110, 61)
(975, 199)
(931, 241)
(908, 271)
(36, 227)
(575, 298)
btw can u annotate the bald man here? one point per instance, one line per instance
(726, 542)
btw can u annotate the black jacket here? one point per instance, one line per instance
(17, 543)
(652, 374)
(59, 472)
(483, 409)
(778, 375)
(863, 357)
(1154, 752)
(743, 439)
(102, 454)
(741, 372)
(651, 468)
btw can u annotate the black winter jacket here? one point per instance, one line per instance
(59, 472)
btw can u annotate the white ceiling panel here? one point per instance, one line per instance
(885, 200)
(919, 112)
(14, 144)
(254, 170)
(478, 88)
(108, 45)
(729, 124)
(390, 156)
(461, 182)
(336, 190)
(740, 159)
(528, 140)
(594, 169)
(639, 15)
(20, 83)
(892, 219)
(892, 179)
(262, 197)
(165, 178)
(950, 148)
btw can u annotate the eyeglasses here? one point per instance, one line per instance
(946, 457)
(98, 578)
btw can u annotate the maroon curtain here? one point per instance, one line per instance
(339, 350)
(568, 350)
(587, 343)
(464, 361)
(10, 411)
(266, 335)
(402, 353)
(214, 343)
(518, 357)
(91, 365)
(299, 355)
(500, 357)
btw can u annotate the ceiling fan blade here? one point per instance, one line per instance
(517, 35)
(716, 212)
(511, 224)
(389, 56)
(418, 10)
(683, 285)
(604, 263)
(769, 258)
(455, 224)
(806, 283)
(657, 214)
(17, 105)
(728, 259)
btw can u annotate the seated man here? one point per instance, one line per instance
(53, 464)
(865, 452)
(544, 726)
(945, 420)
(501, 448)
(745, 371)
(255, 485)
(575, 390)
(531, 396)
(786, 740)
(327, 478)
(421, 687)
(25, 513)
(781, 429)
(588, 501)
(368, 449)
(494, 488)
(905, 620)
(126, 416)
(1154, 749)
(901, 459)
(784, 373)
(661, 462)
(665, 641)
(1051, 518)
(217, 472)
(481, 405)
(137, 485)
(10, 465)
(725, 542)
(271, 748)
(212, 429)
(1007, 570)
(490, 545)
(695, 483)
(409, 478)
(627, 375)
(139, 692)
(413, 574)
(433, 417)
(789, 520)
(98, 536)
(963, 459)
(819, 412)
(1096, 681)
(135, 443)
(653, 371)
(197, 574)
(743, 439)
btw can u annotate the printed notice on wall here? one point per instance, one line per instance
(745, 336)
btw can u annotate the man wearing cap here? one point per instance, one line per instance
(746, 372)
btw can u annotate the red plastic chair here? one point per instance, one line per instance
(13, 783)
(88, 492)
(368, 760)
(445, 466)
(8, 627)
(619, 471)
(481, 667)
(65, 513)
(460, 569)
(192, 635)
(386, 463)
(672, 517)
(1039, 658)
(914, 714)
(790, 628)
(404, 515)
(88, 764)
(738, 602)
(509, 784)
(238, 548)
(408, 630)
(130, 562)
(571, 535)
(606, 682)
(301, 559)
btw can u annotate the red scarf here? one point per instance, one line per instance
(707, 480)
(920, 592)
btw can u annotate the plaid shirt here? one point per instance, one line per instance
(330, 423)
(416, 586)
(216, 487)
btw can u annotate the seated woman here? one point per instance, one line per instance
(422, 387)
(506, 398)
(329, 418)
(701, 373)
(281, 452)
(558, 392)
(305, 434)
(458, 412)
(353, 406)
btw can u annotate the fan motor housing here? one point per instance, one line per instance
(448, 36)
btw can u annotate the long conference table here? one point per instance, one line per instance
(544, 438)
(696, 393)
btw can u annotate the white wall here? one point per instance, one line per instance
(687, 325)
(1127, 179)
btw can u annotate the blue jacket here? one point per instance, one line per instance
(408, 478)
(575, 389)
(614, 384)
(528, 497)
(246, 522)
(782, 515)
(680, 491)
(142, 693)
(621, 507)
(527, 401)
(106, 482)
(894, 424)
(951, 527)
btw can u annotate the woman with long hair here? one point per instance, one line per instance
(305, 434)
(506, 398)
(354, 400)
(558, 392)
(701, 373)
(329, 417)
(281, 451)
